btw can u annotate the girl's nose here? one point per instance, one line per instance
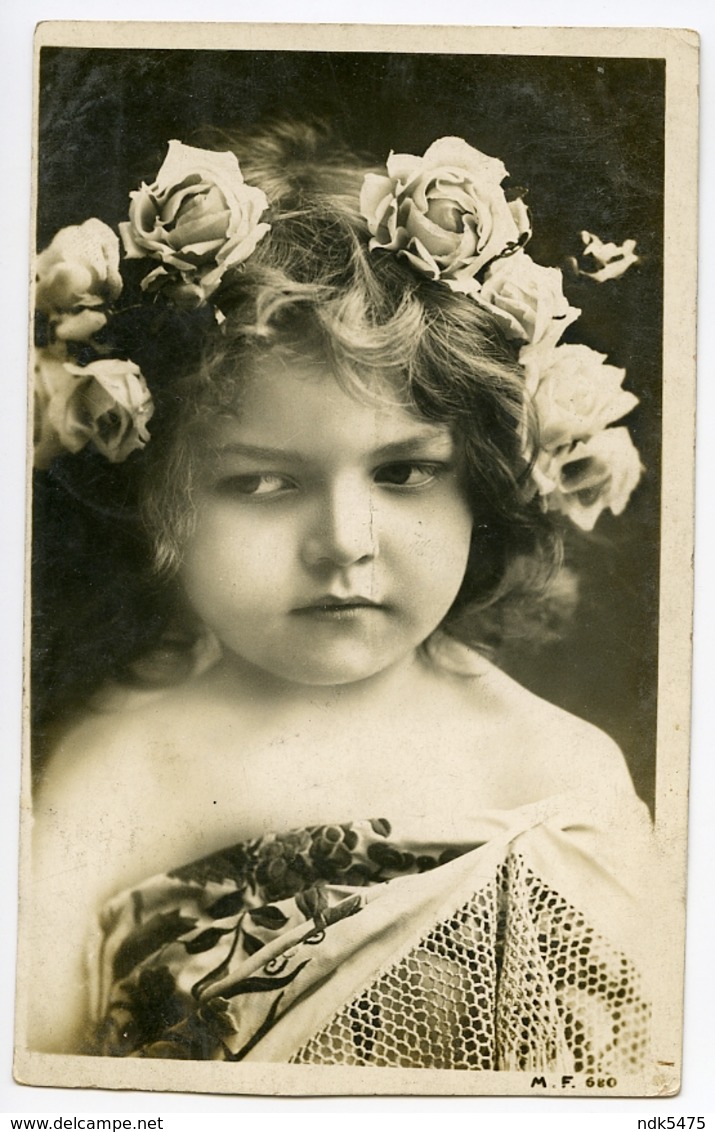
(342, 530)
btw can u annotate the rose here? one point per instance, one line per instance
(596, 474)
(76, 274)
(611, 260)
(113, 405)
(80, 268)
(198, 218)
(578, 395)
(445, 212)
(528, 300)
(106, 402)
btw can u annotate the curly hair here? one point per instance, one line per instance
(313, 284)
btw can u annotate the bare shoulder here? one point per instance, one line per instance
(543, 748)
(95, 830)
(112, 780)
(141, 732)
(109, 745)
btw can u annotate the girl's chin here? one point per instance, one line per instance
(322, 671)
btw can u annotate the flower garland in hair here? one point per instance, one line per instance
(195, 221)
(448, 215)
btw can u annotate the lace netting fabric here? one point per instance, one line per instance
(516, 979)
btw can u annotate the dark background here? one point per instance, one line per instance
(584, 136)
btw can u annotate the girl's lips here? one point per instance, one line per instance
(330, 605)
(332, 600)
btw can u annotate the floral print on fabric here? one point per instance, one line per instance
(171, 984)
(158, 1020)
(357, 944)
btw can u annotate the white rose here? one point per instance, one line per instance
(527, 299)
(445, 212)
(106, 402)
(596, 474)
(611, 260)
(578, 395)
(198, 218)
(76, 274)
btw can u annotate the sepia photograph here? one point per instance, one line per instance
(358, 638)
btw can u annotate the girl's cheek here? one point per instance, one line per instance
(230, 551)
(447, 522)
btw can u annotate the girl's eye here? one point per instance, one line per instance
(407, 474)
(263, 483)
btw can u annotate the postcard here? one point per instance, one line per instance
(360, 573)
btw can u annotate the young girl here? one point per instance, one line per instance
(344, 837)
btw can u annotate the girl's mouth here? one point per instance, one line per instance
(338, 607)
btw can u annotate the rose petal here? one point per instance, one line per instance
(438, 241)
(80, 327)
(376, 195)
(455, 152)
(521, 217)
(401, 167)
(186, 160)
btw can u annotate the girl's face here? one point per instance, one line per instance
(332, 535)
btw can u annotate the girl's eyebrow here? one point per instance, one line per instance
(416, 443)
